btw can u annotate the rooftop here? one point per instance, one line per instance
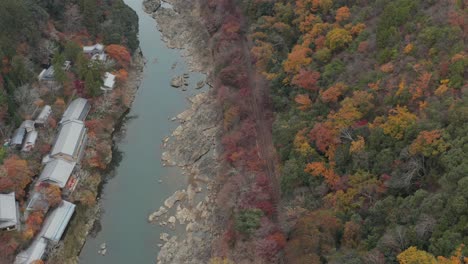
(34, 252)
(97, 47)
(57, 172)
(69, 139)
(109, 81)
(57, 221)
(44, 114)
(8, 212)
(77, 110)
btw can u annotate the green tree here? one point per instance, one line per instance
(248, 221)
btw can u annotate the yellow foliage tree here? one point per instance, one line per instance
(398, 121)
(338, 38)
(414, 256)
(443, 88)
(357, 145)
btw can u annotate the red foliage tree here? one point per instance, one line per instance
(306, 79)
(8, 246)
(324, 135)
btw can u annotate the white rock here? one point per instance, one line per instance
(164, 237)
(171, 220)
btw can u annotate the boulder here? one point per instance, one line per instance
(151, 6)
(171, 220)
(162, 210)
(177, 196)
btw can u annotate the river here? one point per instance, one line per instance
(134, 189)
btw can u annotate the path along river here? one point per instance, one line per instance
(134, 190)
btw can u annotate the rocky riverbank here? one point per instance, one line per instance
(86, 216)
(181, 28)
(193, 146)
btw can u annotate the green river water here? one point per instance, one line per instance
(133, 190)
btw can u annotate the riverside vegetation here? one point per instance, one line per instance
(365, 101)
(37, 34)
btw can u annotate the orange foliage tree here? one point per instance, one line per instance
(297, 59)
(342, 14)
(332, 94)
(19, 173)
(320, 169)
(304, 101)
(34, 222)
(52, 193)
(428, 143)
(120, 54)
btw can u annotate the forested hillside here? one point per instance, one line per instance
(370, 125)
(38, 35)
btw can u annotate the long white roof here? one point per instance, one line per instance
(34, 252)
(8, 216)
(97, 47)
(77, 110)
(69, 138)
(57, 171)
(45, 113)
(57, 221)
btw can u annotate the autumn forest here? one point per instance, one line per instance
(366, 104)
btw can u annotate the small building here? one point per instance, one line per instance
(95, 49)
(99, 57)
(43, 115)
(30, 141)
(18, 137)
(47, 74)
(57, 221)
(66, 65)
(57, 172)
(109, 82)
(70, 142)
(77, 110)
(9, 213)
(28, 125)
(34, 252)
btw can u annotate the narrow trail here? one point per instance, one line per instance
(261, 110)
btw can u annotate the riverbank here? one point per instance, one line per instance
(194, 145)
(113, 111)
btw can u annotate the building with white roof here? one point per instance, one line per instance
(8, 211)
(77, 110)
(95, 49)
(30, 141)
(47, 74)
(109, 82)
(34, 252)
(18, 137)
(70, 142)
(57, 172)
(43, 115)
(57, 221)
